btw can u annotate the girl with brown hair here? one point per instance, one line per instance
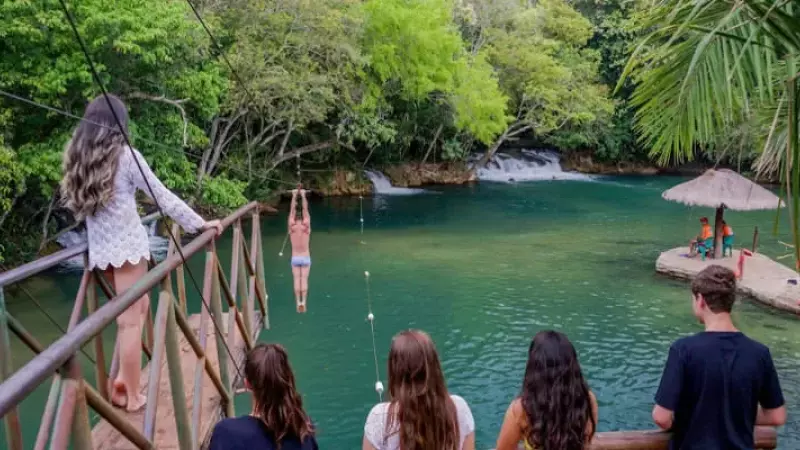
(277, 421)
(555, 410)
(101, 177)
(421, 415)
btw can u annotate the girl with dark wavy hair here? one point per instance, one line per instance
(421, 414)
(555, 410)
(101, 178)
(277, 421)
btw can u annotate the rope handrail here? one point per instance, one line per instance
(39, 265)
(41, 367)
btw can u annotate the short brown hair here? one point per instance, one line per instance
(717, 284)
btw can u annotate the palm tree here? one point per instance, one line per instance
(712, 72)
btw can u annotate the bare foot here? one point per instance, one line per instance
(136, 403)
(119, 394)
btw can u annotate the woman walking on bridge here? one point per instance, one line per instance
(101, 177)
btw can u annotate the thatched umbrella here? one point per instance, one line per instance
(720, 189)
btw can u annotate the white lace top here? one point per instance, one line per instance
(376, 425)
(116, 234)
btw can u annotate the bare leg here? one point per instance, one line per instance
(117, 398)
(304, 285)
(129, 336)
(297, 275)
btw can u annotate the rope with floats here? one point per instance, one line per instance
(361, 201)
(370, 314)
(371, 320)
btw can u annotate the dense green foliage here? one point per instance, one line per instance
(334, 83)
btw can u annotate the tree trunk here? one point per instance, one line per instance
(718, 232)
(489, 153)
(298, 152)
(433, 143)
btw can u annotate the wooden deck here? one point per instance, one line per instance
(764, 280)
(106, 437)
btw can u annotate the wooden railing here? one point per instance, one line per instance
(65, 420)
(765, 437)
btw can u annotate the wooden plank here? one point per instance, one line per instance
(105, 437)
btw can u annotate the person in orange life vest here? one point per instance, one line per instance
(706, 238)
(727, 238)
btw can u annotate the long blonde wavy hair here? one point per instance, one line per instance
(91, 157)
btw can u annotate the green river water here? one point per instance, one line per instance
(482, 269)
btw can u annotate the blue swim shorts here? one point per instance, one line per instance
(301, 261)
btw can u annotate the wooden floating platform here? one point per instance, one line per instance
(106, 437)
(764, 280)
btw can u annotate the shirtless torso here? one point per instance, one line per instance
(300, 235)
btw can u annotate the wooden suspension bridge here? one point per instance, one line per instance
(206, 348)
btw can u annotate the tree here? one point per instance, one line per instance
(420, 75)
(295, 64)
(539, 54)
(146, 51)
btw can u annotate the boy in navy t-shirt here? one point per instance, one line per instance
(718, 384)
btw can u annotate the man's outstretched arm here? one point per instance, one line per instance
(306, 215)
(292, 208)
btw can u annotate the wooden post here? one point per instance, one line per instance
(197, 397)
(216, 315)
(180, 279)
(81, 428)
(755, 240)
(11, 419)
(49, 412)
(718, 232)
(154, 379)
(238, 278)
(258, 255)
(99, 353)
(176, 374)
(72, 420)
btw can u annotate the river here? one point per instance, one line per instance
(482, 268)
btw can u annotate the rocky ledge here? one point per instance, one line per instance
(584, 163)
(416, 174)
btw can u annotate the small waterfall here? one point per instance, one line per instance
(158, 245)
(381, 185)
(528, 165)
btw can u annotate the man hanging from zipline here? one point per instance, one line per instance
(300, 235)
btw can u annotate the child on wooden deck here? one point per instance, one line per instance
(718, 384)
(704, 239)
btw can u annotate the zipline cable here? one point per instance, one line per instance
(99, 82)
